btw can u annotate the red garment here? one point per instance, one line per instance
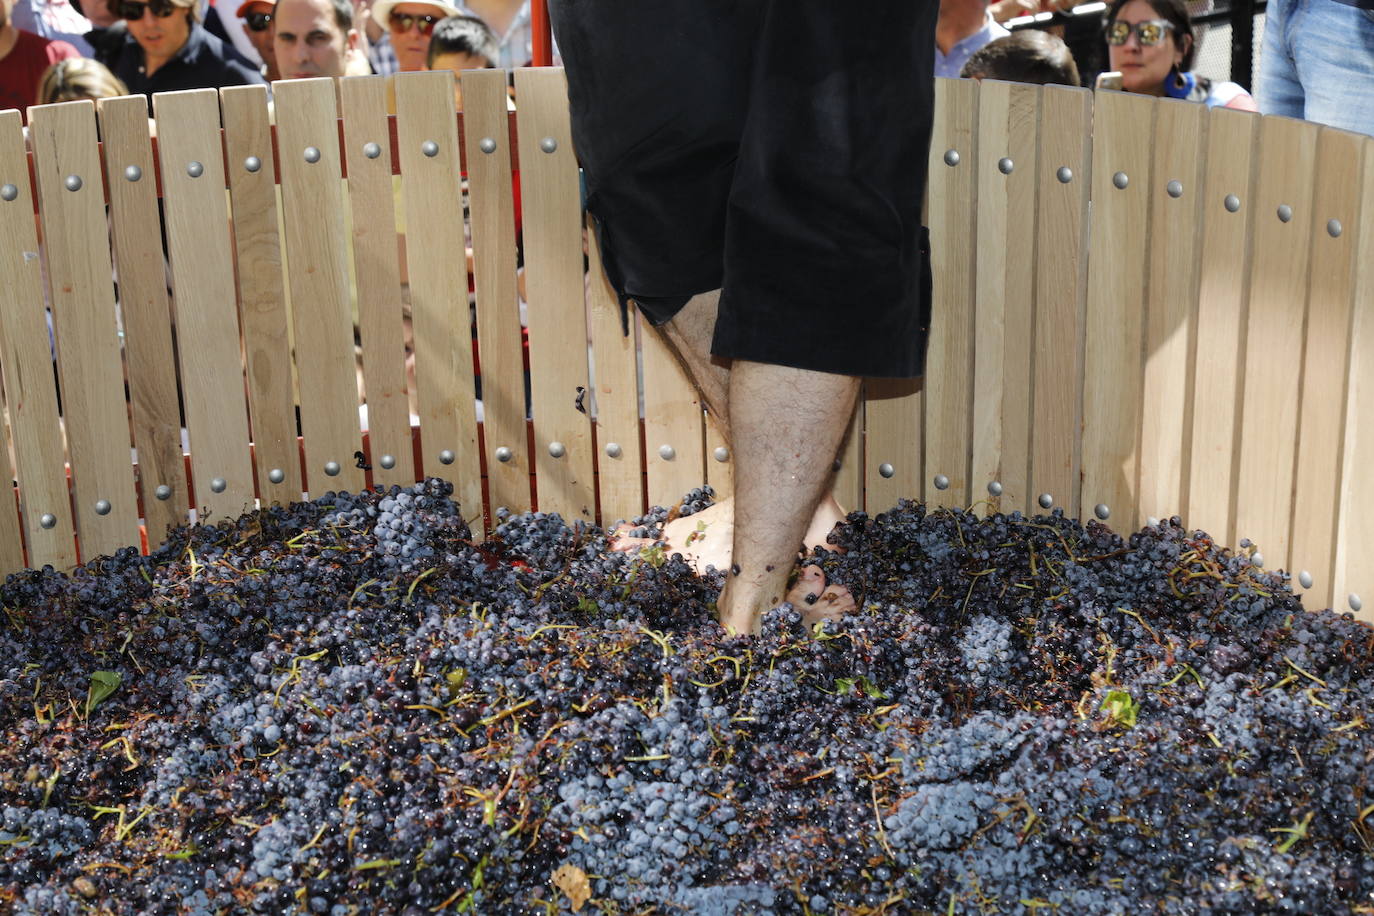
(22, 69)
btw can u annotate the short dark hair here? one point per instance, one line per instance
(343, 14)
(1176, 14)
(463, 35)
(1025, 56)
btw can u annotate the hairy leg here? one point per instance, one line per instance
(689, 337)
(787, 425)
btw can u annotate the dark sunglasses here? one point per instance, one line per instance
(258, 22)
(1148, 33)
(402, 22)
(133, 9)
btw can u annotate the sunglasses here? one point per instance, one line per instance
(402, 22)
(1148, 33)
(133, 9)
(258, 22)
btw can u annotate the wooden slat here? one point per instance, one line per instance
(1274, 344)
(1122, 130)
(1171, 312)
(953, 226)
(207, 328)
(616, 397)
(673, 420)
(262, 293)
(719, 474)
(498, 307)
(849, 485)
(317, 262)
(76, 239)
(27, 364)
(381, 321)
(1355, 525)
(1061, 295)
(1223, 294)
(11, 546)
(1008, 116)
(1339, 192)
(892, 436)
(552, 225)
(142, 273)
(440, 316)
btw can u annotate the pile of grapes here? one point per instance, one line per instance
(345, 706)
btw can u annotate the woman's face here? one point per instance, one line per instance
(1144, 68)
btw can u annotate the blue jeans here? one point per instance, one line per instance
(1318, 63)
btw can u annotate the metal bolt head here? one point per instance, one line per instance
(721, 453)
(8, 192)
(252, 164)
(1285, 213)
(163, 492)
(951, 157)
(1121, 180)
(1232, 203)
(995, 488)
(1046, 501)
(219, 484)
(1305, 579)
(446, 456)
(388, 461)
(557, 449)
(1175, 188)
(102, 507)
(1065, 174)
(195, 169)
(548, 144)
(48, 520)
(132, 173)
(429, 148)
(371, 150)
(613, 450)
(886, 470)
(312, 154)
(667, 452)
(1005, 165)
(73, 182)
(487, 145)
(1355, 602)
(276, 475)
(941, 482)
(332, 468)
(1333, 228)
(503, 454)
(1102, 511)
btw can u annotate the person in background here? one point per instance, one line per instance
(410, 26)
(55, 20)
(314, 38)
(461, 43)
(1318, 62)
(168, 49)
(79, 78)
(24, 57)
(107, 33)
(964, 26)
(1151, 44)
(1027, 56)
(257, 16)
(510, 21)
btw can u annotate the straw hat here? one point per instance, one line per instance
(381, 11)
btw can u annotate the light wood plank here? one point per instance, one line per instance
(1330, 301)
(1171, 312)
(262, 292)
(1355, 525)
(673, 423)
(142, 274)
(440, 315)
(1008, 118)
(11, 546)
(1122, 129)
(893, 428)
(849, 483)
(551, 200)
(317, 267)
(1274, 344)
(620, 462)
(80, 277)
(720, 474)
(498, 303)
(1223, 299)
(1061, 296)
(952, 215)
(203, 300)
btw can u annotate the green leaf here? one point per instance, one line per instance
(871, 689)
(844, 684)
(1120, 708)
(103, 683)
(457, 677)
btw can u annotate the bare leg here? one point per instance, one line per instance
(787, 425)
(689, 336)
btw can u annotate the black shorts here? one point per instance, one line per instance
(773, 149)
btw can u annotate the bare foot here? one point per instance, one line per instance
(818, 601)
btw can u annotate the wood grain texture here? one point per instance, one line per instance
(381, 323)
(498, 303)
(1171, 309)
(203, 300)
(893, 435)
(80, 277)
(1117, 277)
(440, 315)
(673, 419)
(1223, 300)
(141, 269)
(1274, 336)
(719, 474)
(1338, 195)
(1060, 295)
(849, 483)
(11, 541)
(551, 201)
(262, 292)
(30, 395)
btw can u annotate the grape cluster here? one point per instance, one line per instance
(352, 706)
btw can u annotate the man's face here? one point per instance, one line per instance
(412, 44)
(99, 13)
(263, 39)
(161, 36)
(308, 40)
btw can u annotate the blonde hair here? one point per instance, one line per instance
(78, 78)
